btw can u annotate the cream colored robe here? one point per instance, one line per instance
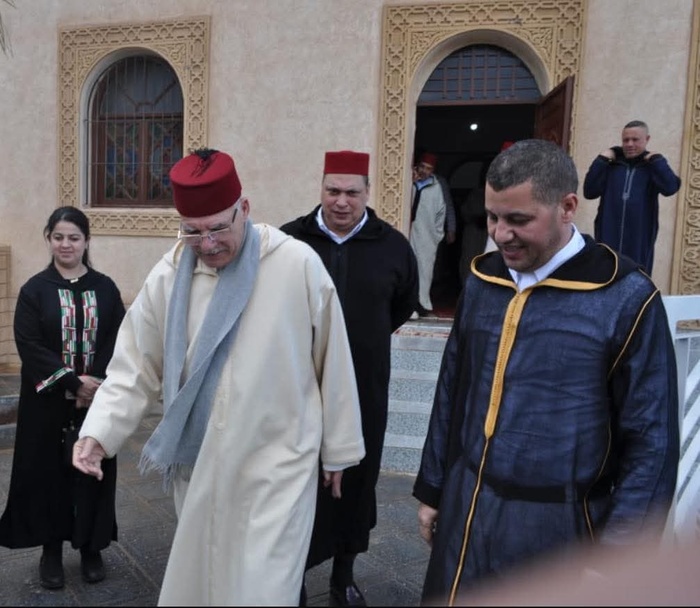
(287, 392)
(427, 230)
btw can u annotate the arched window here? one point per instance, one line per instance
(480, 73)
(136, 133)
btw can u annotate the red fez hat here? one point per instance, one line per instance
(428, 159)
(506, 144)
(204, 183)
(346, 162)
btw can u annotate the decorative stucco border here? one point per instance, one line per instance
(548, 35)
(184, 43)
(685, 272)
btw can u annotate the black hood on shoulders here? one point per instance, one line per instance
(307, 224)
(595, 263)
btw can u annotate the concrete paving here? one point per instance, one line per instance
(389, 574)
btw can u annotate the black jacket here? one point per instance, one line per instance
(376, 277)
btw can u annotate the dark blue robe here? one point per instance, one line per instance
(628, 212)
(555, 418)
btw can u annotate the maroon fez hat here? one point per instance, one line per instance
(506, 144)
(428, 159)
(346, 162)
(204, 183)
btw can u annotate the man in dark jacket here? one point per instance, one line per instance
(375, 273)
(628, 179)
(555, 418)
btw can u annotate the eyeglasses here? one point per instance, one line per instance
(195, 239)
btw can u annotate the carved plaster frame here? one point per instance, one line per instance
(546, 35)
(84, 52)
(685, 271)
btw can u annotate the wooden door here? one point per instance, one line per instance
(553, 114)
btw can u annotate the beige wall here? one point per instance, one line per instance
(635, 67)
(290, 79)
(283, 90)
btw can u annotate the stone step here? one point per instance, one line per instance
(407, 429)
(407, 424)
(413, 336)
(415, 360)
(412, 386)
(416, 356)
(405, 460)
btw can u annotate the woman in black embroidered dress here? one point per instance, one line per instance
(65, 324)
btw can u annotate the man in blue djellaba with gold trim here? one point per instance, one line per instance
(555, 418)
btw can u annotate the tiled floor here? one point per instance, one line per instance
(390, 574)
(9, 383)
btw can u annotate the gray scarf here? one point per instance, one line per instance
(174, 445)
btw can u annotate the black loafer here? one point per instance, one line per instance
(91, 566)
(346, 596)
(51, 571)
(423, 312)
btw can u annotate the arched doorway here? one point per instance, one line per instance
(417, 37)
(476, 99)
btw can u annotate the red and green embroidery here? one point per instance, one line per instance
(69, 335)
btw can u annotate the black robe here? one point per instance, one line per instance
(48, 499)
(376, 277)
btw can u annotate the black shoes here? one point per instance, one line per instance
(346, 596)
(423, 312)
(91, 566)
(51, 567)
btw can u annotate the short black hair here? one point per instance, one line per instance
(636, 123)
(545, 164)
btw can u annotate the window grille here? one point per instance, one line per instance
(480, 73)
(136, 130)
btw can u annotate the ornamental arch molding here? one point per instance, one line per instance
(83, 53)
(546, 35)
(685, 273)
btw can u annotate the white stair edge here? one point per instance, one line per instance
(392, 440)
(407, 374)
(410, 407)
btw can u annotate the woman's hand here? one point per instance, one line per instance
(88, 388)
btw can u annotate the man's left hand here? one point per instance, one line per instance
(333, 479)
(450, 237)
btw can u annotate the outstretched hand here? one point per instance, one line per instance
(87, 456)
